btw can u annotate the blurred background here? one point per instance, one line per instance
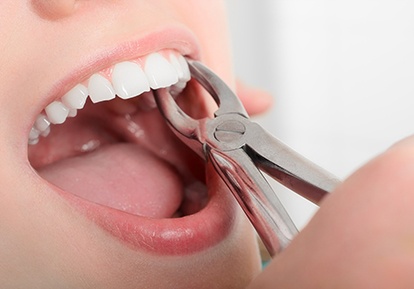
(341, 72)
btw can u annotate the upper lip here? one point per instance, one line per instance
(174, 37)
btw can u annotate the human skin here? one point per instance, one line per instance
(362, 236)
(46, 239)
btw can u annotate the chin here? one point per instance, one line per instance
(117, 201)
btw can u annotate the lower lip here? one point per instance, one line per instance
(175, 236)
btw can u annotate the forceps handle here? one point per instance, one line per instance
(288, 167)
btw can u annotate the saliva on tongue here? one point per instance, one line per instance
(123, 176)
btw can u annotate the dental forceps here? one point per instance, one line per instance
(239, 150)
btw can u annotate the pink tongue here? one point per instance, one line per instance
(121, 176)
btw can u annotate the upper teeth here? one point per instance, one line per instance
(125, 79)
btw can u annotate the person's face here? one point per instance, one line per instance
(109, 199)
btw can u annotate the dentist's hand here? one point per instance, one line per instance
(362, 236)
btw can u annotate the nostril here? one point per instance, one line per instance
(53, 9)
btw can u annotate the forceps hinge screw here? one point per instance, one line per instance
(229, 130)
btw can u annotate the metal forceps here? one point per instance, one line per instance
(239, 150)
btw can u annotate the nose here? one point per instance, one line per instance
(54, 9)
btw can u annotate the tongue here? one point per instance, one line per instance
(121, 176)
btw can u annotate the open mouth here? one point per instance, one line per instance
(105, 147)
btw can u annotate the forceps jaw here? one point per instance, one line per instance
(227, 101)
(196, 133)
(183, 126)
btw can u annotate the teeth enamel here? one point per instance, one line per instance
(177, 66)
(34, 134)
(159, 71)
(181, 66)
(125, 79)
(76, 97)
(40, 127)
(129, 80)
(100, 89)
(56, 112)
(72, 112)
(46, 132)
(178, 88)
(33, 141)
(41, 123)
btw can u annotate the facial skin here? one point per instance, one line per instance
(46, 241)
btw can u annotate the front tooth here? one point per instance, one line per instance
(100, 89)
(34, 134)
(56, 112)
(159, 71)
(46, 132)
(76, 97)
(185, 68)
(42, 123)
(176, 64)
(181, 66)
(177, 88)
(33, 141)
(129, 80)
(72, 112)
